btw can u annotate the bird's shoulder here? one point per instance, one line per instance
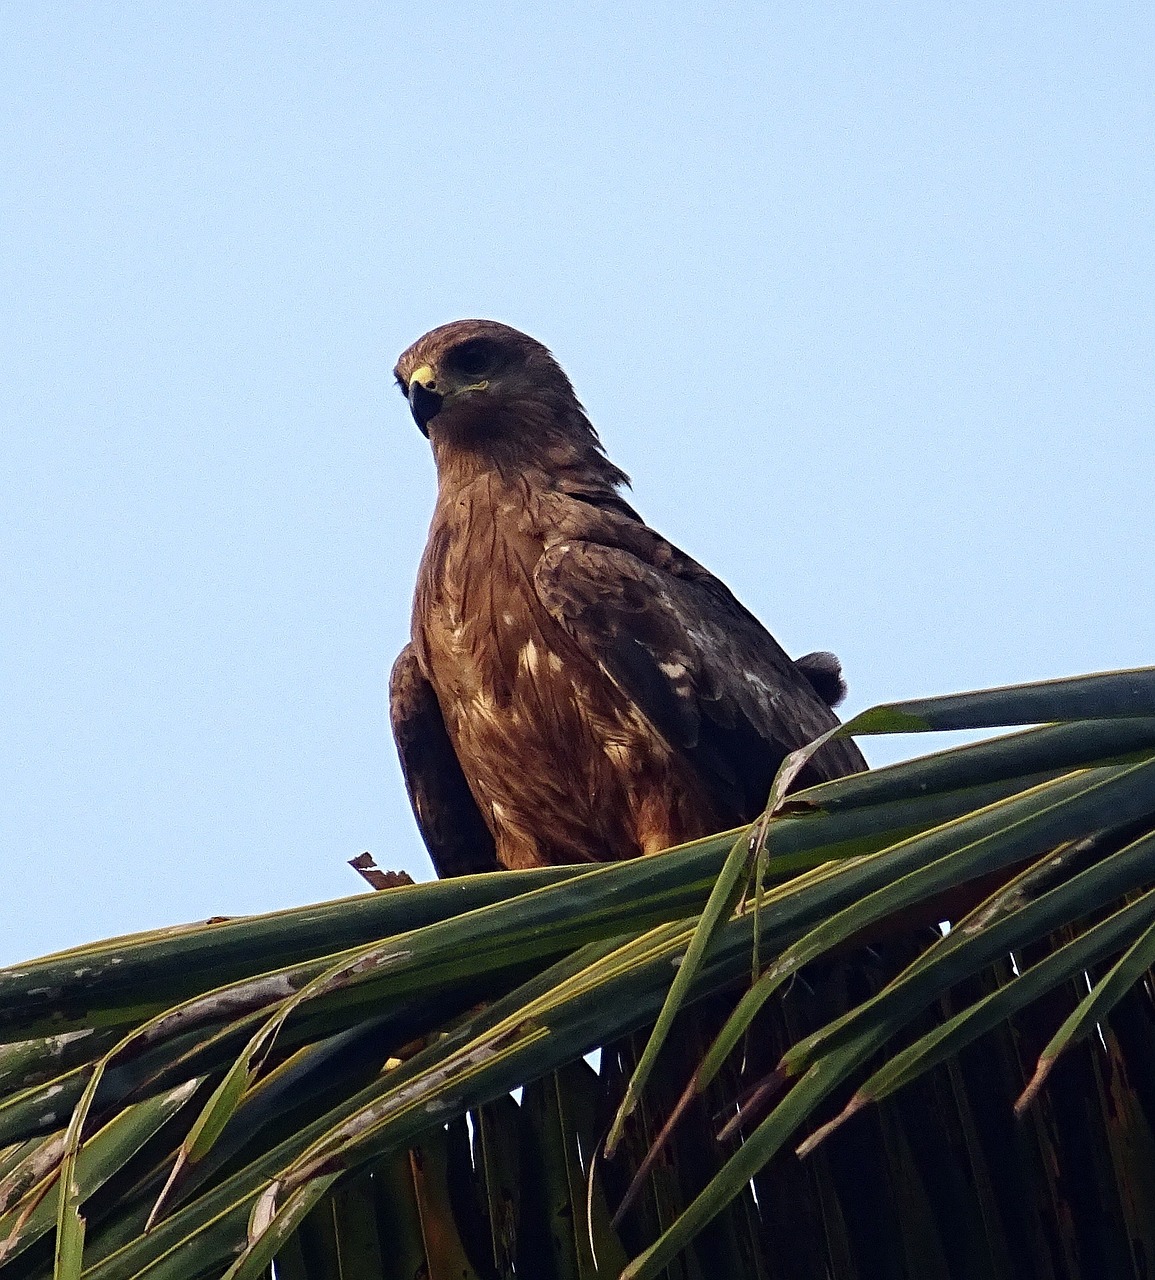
(607, 523)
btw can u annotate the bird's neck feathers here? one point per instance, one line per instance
(551, 446)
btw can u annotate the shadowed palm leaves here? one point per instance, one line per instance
(199, 1101)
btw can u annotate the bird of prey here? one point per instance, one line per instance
(576, 688)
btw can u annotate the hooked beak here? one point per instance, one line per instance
(425, 400)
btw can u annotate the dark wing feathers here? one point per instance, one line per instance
(702, 669)
(447, 814)
(668, 701)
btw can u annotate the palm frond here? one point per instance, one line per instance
(326, 1091)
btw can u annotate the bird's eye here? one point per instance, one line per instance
(475, 357)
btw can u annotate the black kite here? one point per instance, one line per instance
(577, 688)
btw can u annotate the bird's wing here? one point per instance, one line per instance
(450, 822)
(701, 668)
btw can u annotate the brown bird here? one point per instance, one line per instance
(576, 689)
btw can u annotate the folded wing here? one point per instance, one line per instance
(699, 666)
(447, 815)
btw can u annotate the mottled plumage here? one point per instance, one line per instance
(576, 688)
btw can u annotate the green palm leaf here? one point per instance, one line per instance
(326, 1091)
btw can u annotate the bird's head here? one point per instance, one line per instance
(488, 396)
(474, 377)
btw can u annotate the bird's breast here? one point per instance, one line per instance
(476, 614)
(545, 739)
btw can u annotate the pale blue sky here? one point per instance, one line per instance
(861, 295)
